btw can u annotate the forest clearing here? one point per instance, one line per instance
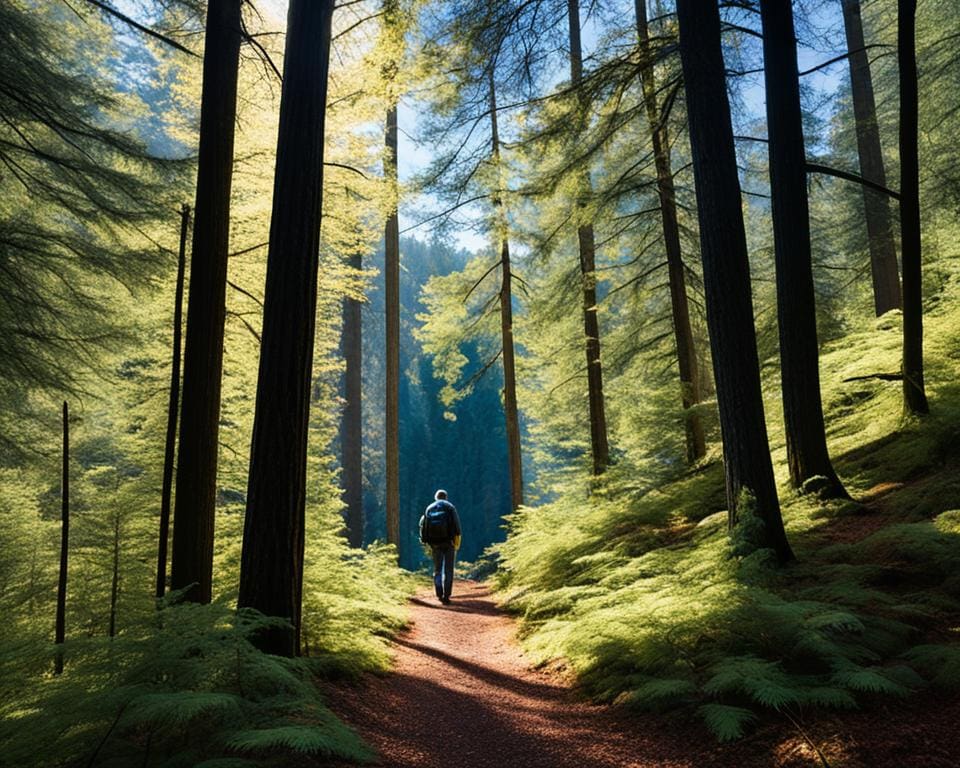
(644, 312)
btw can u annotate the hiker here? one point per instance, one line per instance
(440, 528)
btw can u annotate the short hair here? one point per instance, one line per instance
(441, 494)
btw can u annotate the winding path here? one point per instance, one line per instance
(463, 695)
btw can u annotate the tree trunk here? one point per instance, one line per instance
(172, 410)
(914, 394)
(682, 332)
(883, 251)
(271, 568)
(726, 272)
(600, 448)
(351, 423)
(392, 301)
(195, 508)
(510, 409)
(807, 454)
(60, 630)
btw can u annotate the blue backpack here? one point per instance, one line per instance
(436, 525)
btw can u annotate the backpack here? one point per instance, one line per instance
(436, 525)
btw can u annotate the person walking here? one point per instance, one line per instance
(440, 528)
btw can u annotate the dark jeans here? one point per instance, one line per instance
(443, 557)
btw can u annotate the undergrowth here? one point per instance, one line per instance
(655, 605)
(185, 686)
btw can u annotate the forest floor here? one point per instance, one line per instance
(463, 695)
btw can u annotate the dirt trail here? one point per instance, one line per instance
(462, 695)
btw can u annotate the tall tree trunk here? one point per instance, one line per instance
(600, 448)
(60, 630)
(807, 454)
(914, 394)
(203, 355)
(682, 332)
(391, 276)
(726, 272)
(883, 251)
(271, 567)
(510, 409)
(172, 410)
(351, 422)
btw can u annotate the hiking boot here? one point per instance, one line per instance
(445, 600)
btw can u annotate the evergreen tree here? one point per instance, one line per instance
(391, 12)
(271, 570)
(726, 273)
(586, 242)
(807, 455)
(876, 207)
(195, 508)
(682, 331)
(914, 393)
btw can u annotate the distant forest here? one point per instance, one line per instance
(460, 448)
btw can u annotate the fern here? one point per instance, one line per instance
(660, 693)
(764, 682)
(304, 739)
(940, 663)
(725, 722)
(178, 708)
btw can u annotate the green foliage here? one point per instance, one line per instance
(656, 606)
(728, 723)
(185, 688)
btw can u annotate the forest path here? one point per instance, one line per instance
(462, 694)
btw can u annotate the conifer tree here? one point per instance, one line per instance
(683, 334)
(507, 351)
(883, 253)
(195, 508)
(173, 409)
(392, 295)
(271, 570)
(726, 273)
(351, 421)
(807, 454)
(599, 445)
(914, 393)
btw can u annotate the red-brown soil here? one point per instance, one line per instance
(463, 695)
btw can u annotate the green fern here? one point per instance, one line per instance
(178, 708)
(304, 739)
(725, 722)
(940, 664)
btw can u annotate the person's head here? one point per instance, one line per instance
(441, 494)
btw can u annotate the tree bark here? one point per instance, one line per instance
(600, 449)
(351, 422)
(883, 251)
(726, 272)
(914, 394)
(682, 332)
(172, 410)
(807, 454)
(60, 630)
(510, 408)
(195, 507)
(392, 302)
(271, 568)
